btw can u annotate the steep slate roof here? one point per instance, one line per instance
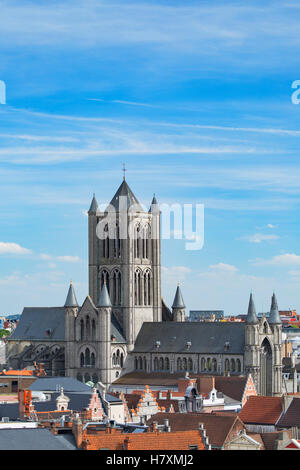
(51, 384)
(291, 417)
(130, 199)
(261, 410)
(34, 439)
(35, 322)
(48, 323)
(207, 338)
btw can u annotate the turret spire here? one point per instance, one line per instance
(274, 317)
(71, 300)
(251, 316)
(104, 299)
(94, 205)
(178, 300)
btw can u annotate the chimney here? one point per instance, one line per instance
(77, 429)
(206, 384)
(167, 425)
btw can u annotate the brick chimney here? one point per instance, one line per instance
(206, 384)
(77, 429)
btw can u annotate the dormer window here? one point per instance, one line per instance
(157, 344)
(188, 345)
(226, 346)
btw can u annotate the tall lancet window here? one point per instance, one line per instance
(137, 241)
(138, 287)
(146, 242)
(147, 287)
(105, 242)
(117, 287)
(88, 327)
(117, 243)
(105, 279)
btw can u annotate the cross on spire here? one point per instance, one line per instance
(124, 171)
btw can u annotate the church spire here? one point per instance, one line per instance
(251, 316)
(71, 300)
(274, 317)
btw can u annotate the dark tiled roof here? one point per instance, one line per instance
(292, 415)
(208, 338)
(53, 384)
(130, 199)
(43, 323)
(217, 426)
(154, 379)
(34, 439)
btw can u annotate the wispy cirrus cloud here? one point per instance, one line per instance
(259, 237)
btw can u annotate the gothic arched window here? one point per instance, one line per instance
(105, 279)
(93, 330)
(87, 357)
(82, 360)
(147, 287)
(117, 287)
(137, 241)
(138, 287)
(106, 242)
(88, 327)
(81, 330)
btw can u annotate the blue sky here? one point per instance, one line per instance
(195, 97)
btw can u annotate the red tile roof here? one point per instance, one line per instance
(261, 410)
(145, 441)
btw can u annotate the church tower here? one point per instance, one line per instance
(263, 354)
(124, 253)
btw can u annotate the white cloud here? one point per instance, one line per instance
(287, 259)
(13, 248)
(259, 237)
(68, 259)
(223, 267)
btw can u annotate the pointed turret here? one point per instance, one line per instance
(71, 300)
(178, 307)
(178, 300)
(274, 317)
(104, 299)
(94, 206)
(251, 316)
(154, 205)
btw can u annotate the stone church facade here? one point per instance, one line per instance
(124, 325)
